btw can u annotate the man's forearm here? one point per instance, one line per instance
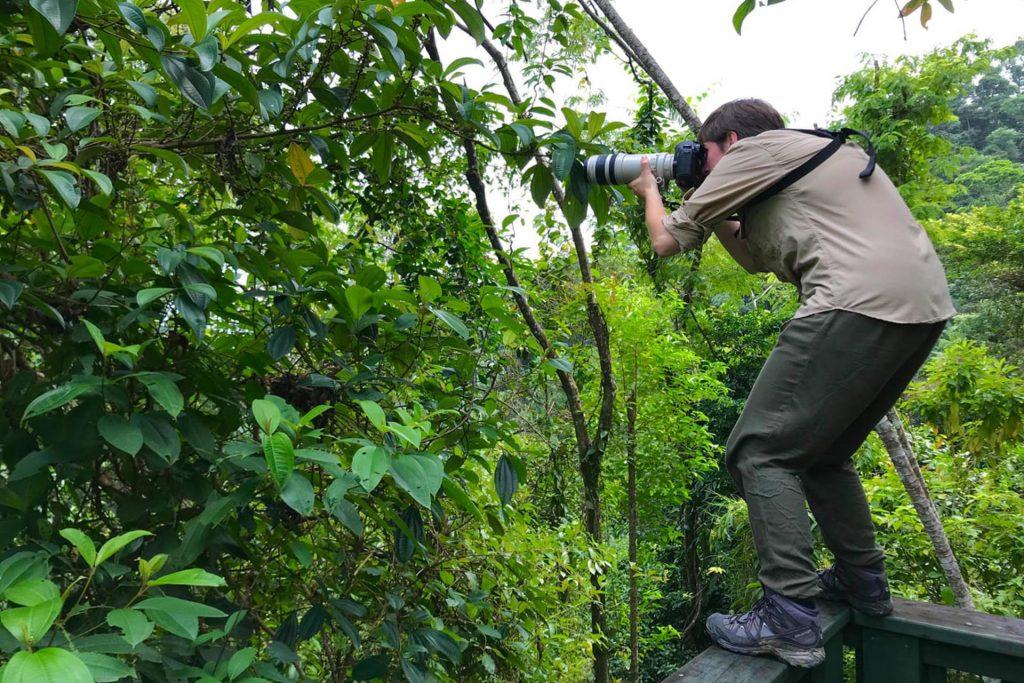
(654, 215)
(728, 234)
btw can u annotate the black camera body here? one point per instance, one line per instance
(688, 166)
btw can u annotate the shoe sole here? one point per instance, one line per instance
(872, 608)
(800, 657)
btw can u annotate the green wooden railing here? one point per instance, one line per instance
(918, 643)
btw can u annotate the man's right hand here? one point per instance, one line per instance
(645, 183)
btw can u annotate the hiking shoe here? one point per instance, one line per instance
(863, 588)
(775, 625)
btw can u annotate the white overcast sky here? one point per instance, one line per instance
(790, 54)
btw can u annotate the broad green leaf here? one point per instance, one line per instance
(430, 289)
(172, 158)
(197, 86)
(9, 292)
(104, 668)
(419, 475)
(374, 413)
(145, 296)
(60, 13)
(369, 464)
(453, 321)
(298, 494)
(96, 335)
(40, 124)
(471, 18)
(12, 122)
(359, 300)
(176, 616)
(120, 433)
(252, 23)
(55, 398)
(267, 414)
(209, 253)
(21, 567)
(64, 184)
(195, 16)
(159, 435)
(85, 266)
(280, 456)
(133, 15)
(163, 390)
(80, 117)
(111, 547)
(32, 591)
(86, 548)
(188, 577)
(506, 481)
(29, 624)
(742, 10)
(563, 155)
(410, 434)
(281, 342)
(133, 624)
(102, 181)
(240, 661)
(49, 665)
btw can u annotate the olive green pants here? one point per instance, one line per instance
(829, 380)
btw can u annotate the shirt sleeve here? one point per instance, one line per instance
(745, 171)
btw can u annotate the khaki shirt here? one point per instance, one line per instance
(847, 244)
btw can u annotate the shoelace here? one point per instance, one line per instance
(759, 610)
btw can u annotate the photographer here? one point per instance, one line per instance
(873, 302)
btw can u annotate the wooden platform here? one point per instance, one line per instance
(918, 643)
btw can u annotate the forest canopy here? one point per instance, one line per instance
(279, 402)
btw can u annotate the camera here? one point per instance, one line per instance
(685, 166)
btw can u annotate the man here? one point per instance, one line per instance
(873, 302)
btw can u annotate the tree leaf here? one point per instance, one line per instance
(189, 577)
(114, 545)
(60, 13)
(32, 591)
(163, 390)
(298, 494)
(96, 335)
(133, 15)
(86, 548)
(267, 414)
(374, 413)
(240, 661)
(49, 665)
(453, 321)
(145, 296)
(281, 342)
(133, 623)
(64, 184)
(369, 464)
(29, 624)
(280, 456)
(429, 288)
(195, 16)
(744, 8)
(419, 475)
(299, 163)
(104, 668)
(176, 616)
(159, 435)
(55, 398)
(79, 117)
(196, 85)
(120, 433)
(9, 292)
(102, 181)
(410, 434)
(506, 481)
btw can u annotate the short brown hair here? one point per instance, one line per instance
(747, 117)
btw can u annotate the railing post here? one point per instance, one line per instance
(831, 671)
(890, 657)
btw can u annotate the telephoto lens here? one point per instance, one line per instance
(621, 169)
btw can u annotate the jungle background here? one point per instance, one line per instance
(278, 402)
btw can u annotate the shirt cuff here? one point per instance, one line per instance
(686, 231)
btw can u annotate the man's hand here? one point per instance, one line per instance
(645, 183)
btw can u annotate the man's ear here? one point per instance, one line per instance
(732, 138)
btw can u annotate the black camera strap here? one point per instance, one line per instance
(838, 138)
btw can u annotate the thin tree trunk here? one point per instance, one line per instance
(639, 52)
(634, 592)
(589, 449)
(890, 429)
